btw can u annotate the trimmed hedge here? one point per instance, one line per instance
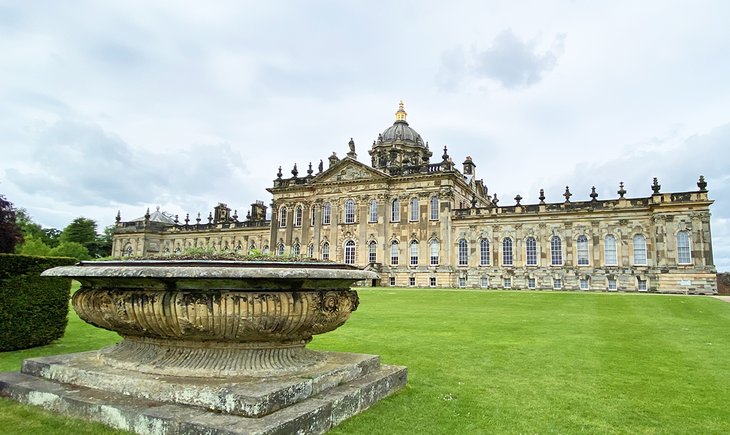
(33, 309)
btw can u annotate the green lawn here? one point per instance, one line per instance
(509, 362)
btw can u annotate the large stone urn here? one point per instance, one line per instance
(225, 338)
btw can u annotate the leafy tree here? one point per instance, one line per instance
(10, 233)
(49, 236)
(70, 249)
(53, 237)
(34, 246)
(81, 230)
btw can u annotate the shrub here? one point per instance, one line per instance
(33, 309)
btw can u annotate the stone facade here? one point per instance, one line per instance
(426, 224)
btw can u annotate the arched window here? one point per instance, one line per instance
(373, 215)
(311, 216)
(326, 213)
(684, 252)
(372, 252)
(325, 251)
(609, 251)
(298, 216)
(640, 250)
(434, 208)
(394, 253)
(251, 247)
(128, 251)
(266, 249)
(531, 251)
(434, 248)
(349, 211)
(282, 217)
(310, 250)
(556, 251)
(507, 252)
(295, 249)
(582, 248)
(280, 251)
(350, 252)
(484, 252)
(238, 247)
(395, 210)
(463, 252)
(414, 253)
(177, 250)
(413, 217)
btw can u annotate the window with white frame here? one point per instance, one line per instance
(282, 217)
(463, 252)
(531, 251)
(507, 282)
(684, 252)
(414, 253)
(349, 211)
(531, 283)
(484, 252)
(609, 250)
(326, 213)
(556, 251)
(325, 251)
(507, 252)
(434, 252)
(413, 210)
(395, 210)
(295, 249)
(312, 216)
(310, 250)
(350, 252)
(280, 250)
(298, 216)
(372, 252)
(434, 208)
(584, 284)
(392, 281)
(394, 253)
(640, 250)
(411, 281)
(462, 281)
(484, 282)
(432, 281)
(557, 283)
(582, 248)
(373, 212)
(612, 284)
(641, 284)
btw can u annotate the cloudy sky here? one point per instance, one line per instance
(108, 106)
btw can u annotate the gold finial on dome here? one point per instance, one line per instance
(401, 114)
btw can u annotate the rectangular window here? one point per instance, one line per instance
(483, 252)
(507, 252)
(484, 282)
(392, 281)
(612, 284)
(507, 283)
(432, 281)
(434, 253)
(530, 282)
(311, 220)
(372, 252)
(326, 213)
(557, 283)
(373, 215)
(434, 215)
(584, 284)
(641, 284)
(414, 210)
(462, 282)
(412, 281)
(531, 251)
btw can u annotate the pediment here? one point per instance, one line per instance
(348, 170)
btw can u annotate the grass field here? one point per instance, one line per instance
(508, 362)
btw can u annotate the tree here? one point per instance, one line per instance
(81, 230)
(49, 236)
(70, 249)
(10, 233)
(34, 246)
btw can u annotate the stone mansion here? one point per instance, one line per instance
(425, 222)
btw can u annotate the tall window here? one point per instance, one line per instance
(394, 253)
(414, 210)
(280, 250)
(640, 250)
(282, 218)
(373, 215)
(325, 251)
(298, 216)
(684, 253)
(326, 213)
(372, 252)
(434, 208)
(609, 250)
(434, 248)
(507, 252)
(414, 253)
(582, 246)
(484, 252)
(311, 216)
(531, 251)
(349, 211)
(310, 250)
(463, 253)
(350, 252)
(395, 211)
(556, 251)
(295, 249)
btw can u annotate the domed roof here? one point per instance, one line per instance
(400, 129)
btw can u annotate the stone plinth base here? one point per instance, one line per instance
(311, 401)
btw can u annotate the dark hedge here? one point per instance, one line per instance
(33, 309)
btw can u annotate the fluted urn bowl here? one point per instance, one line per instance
(213, 318)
